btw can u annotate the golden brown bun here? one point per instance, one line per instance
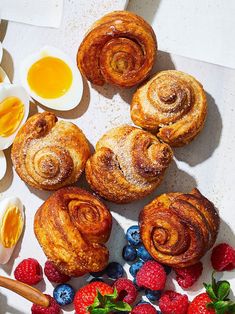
(48, 154)
(172, 104)
(178, 229)
(72, 227)
(119, 49)
(128, 164)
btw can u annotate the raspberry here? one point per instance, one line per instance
(53, 274)
(54, 308)
(151, 276)
(126, 290)
(223, 257)
(28, 271)
(187, 276)
(144, 308)
(173, 303)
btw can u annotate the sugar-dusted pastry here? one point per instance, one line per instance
(173, 105)
(177, 229)
(128, 164)
(119, 49)
(48, 154)
(72, 226)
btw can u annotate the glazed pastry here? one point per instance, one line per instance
(77, 226)
(48, 154)
(173, 105)
(178, 229)
(128, 164)
(119, 49)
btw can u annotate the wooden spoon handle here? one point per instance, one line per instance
(28, 292)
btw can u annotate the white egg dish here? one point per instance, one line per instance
(71, 98)
(11, 226)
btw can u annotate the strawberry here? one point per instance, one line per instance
(214, 300)
(98, 298)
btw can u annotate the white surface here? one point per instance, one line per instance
(3, 165)
(206, 163)
(202, 29)
(41, 13)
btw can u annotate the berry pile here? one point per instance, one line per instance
(148, 276)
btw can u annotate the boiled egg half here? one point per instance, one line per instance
(52, 79)
(14, 110)
(3, 165)
(11, 226)
(3, 77)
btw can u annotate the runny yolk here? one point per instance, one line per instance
(50, 77)
(11, 227)
(11, 115)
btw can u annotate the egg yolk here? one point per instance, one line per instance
(50, 77)
(11, 227)
(11, 115)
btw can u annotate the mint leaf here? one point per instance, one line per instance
(223, 290)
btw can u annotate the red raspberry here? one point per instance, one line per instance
(151, 276)
(223, 257)
(126, 290)
(53, 274)
(172, 302)
(187, 276)
(54, 308)
(29, 271)
(144, 308)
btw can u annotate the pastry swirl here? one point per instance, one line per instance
(178, 229)
(119, 49)
(172, 104)
(77, 226)
(128, 164)
(48, 154)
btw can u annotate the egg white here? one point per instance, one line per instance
(3, 165)
(9, 90)
(3, 76)
(1, 50)
(72, 97)
(5, 253)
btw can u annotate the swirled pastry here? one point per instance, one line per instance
(72, 227)
(178, 229)
(119, 49)
(172, 104)
(48, 154)
(128, 164)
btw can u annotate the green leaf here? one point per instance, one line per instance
(100, 311)
(211, 293)
(122, 306)
(214, 284)
(223, 290)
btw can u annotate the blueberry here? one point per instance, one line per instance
(167, 269)
(63, 294)
(114, 270)
(135, 267)
(133, 235)
(129, 253)
(98, 274)
(143, 254)
(153, 295)
(95, 280)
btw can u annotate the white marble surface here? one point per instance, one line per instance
(206, 163)
(201, 29)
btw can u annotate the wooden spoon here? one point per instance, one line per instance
(27, 292)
